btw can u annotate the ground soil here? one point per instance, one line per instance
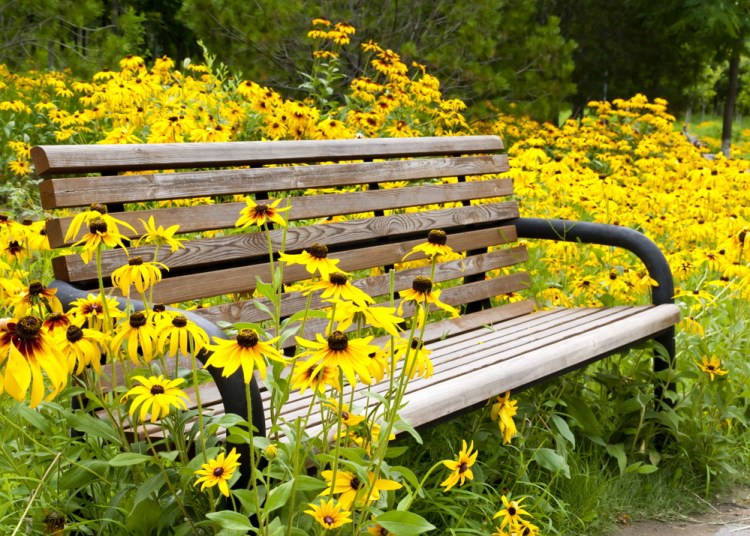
(728, 517)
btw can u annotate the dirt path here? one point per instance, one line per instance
(728, 518)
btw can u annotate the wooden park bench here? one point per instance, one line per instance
(456, 183)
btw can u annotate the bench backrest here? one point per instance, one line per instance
(380, 199)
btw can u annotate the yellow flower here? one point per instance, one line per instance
(182, 336)
(100, 232)
(511, 513)
(338, 287)
(260, 214)
(91, 309)
(137, 333)
(350, 356)
(96, 211)
(503, 412)
(218, 472)
(711, 366)
(156, 395)
(82, 348)
(434, 247)
(316, 260)
(247, 351)
(352, 490)
(347, 313)
(35, 296)
(461, 467)
(160, 236)
(29, 355)
(329, 514)
(137, 273)
(317, 379)
(421, 293)
(417, 357)
(343, 413)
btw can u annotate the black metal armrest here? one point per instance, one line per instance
(607, 235)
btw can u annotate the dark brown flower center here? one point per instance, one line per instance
(422, 284)
(711, 367)
(27, 221)
(98, 207)
(98, 225)
(179, 321)
(36, 288)
(328, 520)
(159, 308)
(512, 510)
(437, 237)
(261, 209)
(74, 334)
(319, 251)
(338, 341)
(462, 468)
(218, 471)
(247, 338)
(135, 261)
(355, 483)
(157, 390)
(138, 320)
(28, 328)
(417, 344)
(339, 279)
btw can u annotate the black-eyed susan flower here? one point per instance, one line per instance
(460, 467)
(246, 350)
(138, 335)
(160, 236)
(365, 436)
(100, 232)
(95, 211)
(329, 514)
(338, 351)
(317, 379)
(315, 260)
(503, 411)
(181, 335)
(379, 530)
(338, 287)
(218, 472)
(347, 313)
(29, 357)
(142, 275)
(156, 396)
(512, 513)
(343, 413)
(36, 297)
(416, 357)
(91, 310)
(261, 214)
(160, 314)
(81, 347)
(57, 322)
(711, 366)
(421, 292)
(436, 245)
(352, 490)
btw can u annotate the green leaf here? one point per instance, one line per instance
(93, 427)
(278, 496)
(618, 452)
(308, 483)
(551, 460)
(230, 520)
(129, 458)
(564, 429)
(404, 523)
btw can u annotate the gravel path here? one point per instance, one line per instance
(728, 518)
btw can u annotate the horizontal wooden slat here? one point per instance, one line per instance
(50, 159)
(82, 191)
(215, 252)
(223, 216)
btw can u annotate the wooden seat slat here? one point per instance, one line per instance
(52, 159)
(224, 216)
(236, 248)
(82, 191)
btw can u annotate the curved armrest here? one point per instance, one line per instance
(607, 235)
(232, 388)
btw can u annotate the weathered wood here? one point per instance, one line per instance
(223, 216)
(226, 250)
(50, 159)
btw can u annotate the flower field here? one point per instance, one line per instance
(516, 467)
